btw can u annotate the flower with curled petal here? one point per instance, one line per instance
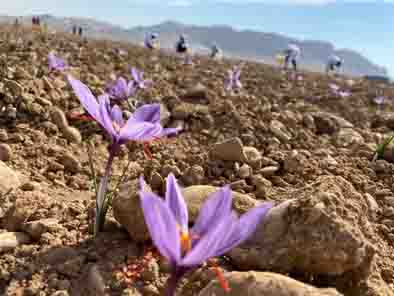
(216, 231)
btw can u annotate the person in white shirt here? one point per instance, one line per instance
(292, 54)
(151, 41)
(334, 63)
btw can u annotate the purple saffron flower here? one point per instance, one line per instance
(343, 94)
(334, 87)
(139, 81)
(143, 125)
(216, 230)
(233, 81)
(56, 63)
(120, 89)
(379, 100)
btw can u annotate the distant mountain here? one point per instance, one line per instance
(246, 44)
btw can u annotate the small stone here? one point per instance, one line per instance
(8, 178)
(36, 228)
(71, 163)
(230, 150)
(59, 118)
(373, 206)
(151, 271)
(3, 135)
(244, 171)
(5, 152)
(269, 171)
(15, 88)
(156, 181)
(11, 240)
(279, 130)
(72, 134)
(194, 175)
(167, 169)
(30, 186)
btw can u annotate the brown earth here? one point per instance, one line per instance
(298, 143)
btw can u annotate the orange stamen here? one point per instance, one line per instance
(186, 242)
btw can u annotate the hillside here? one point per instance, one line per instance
(306, 144)
(247, 44)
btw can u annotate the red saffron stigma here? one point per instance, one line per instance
(222, 281)
(76, 116)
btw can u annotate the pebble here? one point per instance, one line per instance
(72, 134)
(5, 152)
(71, 163)
(11, 240)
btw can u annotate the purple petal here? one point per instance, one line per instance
(106, 120)
(162, 226)
(148, 113)
(246, 227)
(56, 63)
(213, 210)
(136, 75)
(238, 84)
(117, 116)
(169, 131)
(118, 89)
(131, 89)
(86, 98)
(207, 246)
(237, 73)
(176, 203)
(140, 131)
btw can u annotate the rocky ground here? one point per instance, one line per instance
(296, 142)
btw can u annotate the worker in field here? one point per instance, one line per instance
(334, 64)
(152, 41)
(216, 52)
(292, 54)
(182, 48)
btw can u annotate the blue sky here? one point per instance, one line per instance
(364, 25)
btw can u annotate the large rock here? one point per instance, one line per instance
(8, 178)
(319, 232)
(264, 283)
(127, 209)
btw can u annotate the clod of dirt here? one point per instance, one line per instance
(320, 232)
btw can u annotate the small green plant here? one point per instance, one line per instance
(381, 148)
